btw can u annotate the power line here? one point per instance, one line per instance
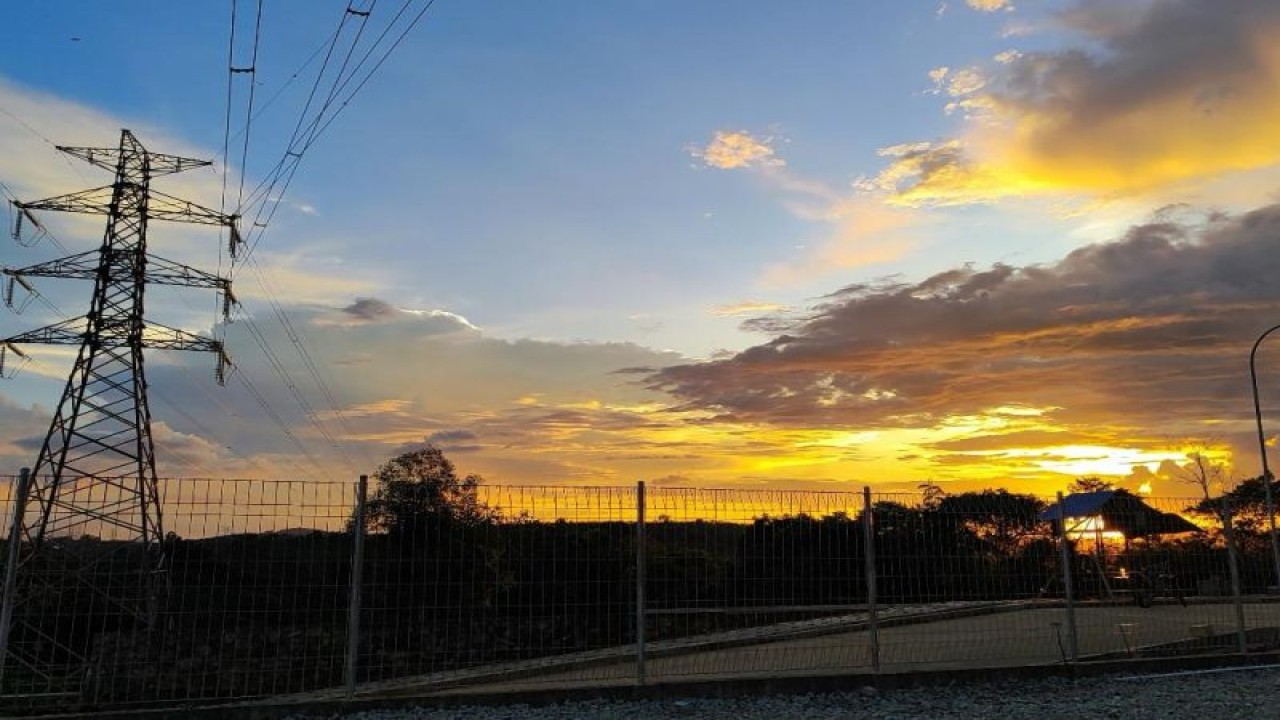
(46, 141)
(248, 113)
(299, 343)
(299, 397)
(285, 85)
(245, 134)
(262, 192)
(320, 123)
(226, 123)
(305, 134)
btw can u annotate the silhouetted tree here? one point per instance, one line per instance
(1245, 504)
(931, 493)
(1201, 472)
(434, 558)
(1090, 483)
(999, 517)
(420, 489)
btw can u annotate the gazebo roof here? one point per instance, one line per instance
(1121, 511)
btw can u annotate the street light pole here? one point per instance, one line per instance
(1262, 451)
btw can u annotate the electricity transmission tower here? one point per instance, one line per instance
(95, 474)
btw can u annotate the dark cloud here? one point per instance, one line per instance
(1213, 57)
(370, 310)
(1149, 333)
(450, 436)
(31, 444)
(21, 434)
(449, 448)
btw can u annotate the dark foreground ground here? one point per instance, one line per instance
(1251, 693)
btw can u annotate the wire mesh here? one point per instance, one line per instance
(974, 566)
(495, 579)
(247, 600)
(1156, 579)
(504, 586)
(736, 579)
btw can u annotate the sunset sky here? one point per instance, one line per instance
(716, 244)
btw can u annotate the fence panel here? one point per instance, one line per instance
(496, 583)
(244, 598)
(1155, 580)
(755, 581)
(968, 580)
(476, 585)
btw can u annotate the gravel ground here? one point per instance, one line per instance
(1251, 693)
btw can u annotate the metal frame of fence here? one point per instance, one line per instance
(346, 588)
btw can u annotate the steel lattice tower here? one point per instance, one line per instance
(96, 470)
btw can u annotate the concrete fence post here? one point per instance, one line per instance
(641, 609)
(869, 572)
(1068, 587)
(356, 585)
(11, 563)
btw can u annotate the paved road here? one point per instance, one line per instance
(1028, 636)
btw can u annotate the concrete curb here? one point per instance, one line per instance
(710, 688)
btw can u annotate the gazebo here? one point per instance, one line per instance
(1120, 511)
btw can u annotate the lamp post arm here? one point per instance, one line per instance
(1262, 452)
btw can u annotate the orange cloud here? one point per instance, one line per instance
(990, 5)
(748, 307)
(866, 231)
(1102, 356)
(1144, 115)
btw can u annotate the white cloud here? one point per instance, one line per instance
(398, 376)
(966, 81)
(730, 150)
(938, 76)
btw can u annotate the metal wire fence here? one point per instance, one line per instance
(266, 588)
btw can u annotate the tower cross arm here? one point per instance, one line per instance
(154, 335)
(162, 164)
(167, 207)
(157, 163)
(162, 271)
(162, 337)
(95, 201)
(160, 206)
(82, 266)
(67, 332)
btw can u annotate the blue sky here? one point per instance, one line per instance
(624, 184)
(506, 137)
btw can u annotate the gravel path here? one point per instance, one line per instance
(1248, 693)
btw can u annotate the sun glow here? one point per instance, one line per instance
(1092, 529)
(1078, 460)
